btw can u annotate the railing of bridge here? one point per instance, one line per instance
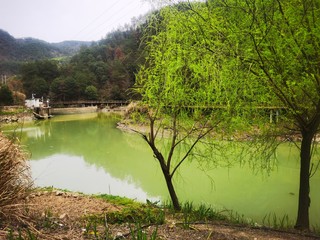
(274, 110)
(90, 102)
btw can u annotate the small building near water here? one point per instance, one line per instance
(41, 109)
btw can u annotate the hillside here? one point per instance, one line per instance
(14, 51)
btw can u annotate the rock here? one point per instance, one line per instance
(59, 193)
(75, 195)
(119, 235)
(64, 216)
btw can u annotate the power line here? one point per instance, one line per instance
(110, 18)
(91, 32)
(95, 19)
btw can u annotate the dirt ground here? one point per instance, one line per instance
(63, 214)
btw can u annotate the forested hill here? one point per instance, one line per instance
(26, 49)
(14, 52)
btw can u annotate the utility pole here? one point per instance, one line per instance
(3, 79)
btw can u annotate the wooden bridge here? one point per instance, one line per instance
(86, 103)
(274, 111)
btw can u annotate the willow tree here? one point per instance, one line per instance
(178, 82)
(278, 42)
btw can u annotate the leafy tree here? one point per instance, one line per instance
(91, 92)
(39, 72)
(278, 42)
(178, 83)
(58, 90)
(48, 70)
(6, 97)
(72, 88)
(28, 72)
(40, 86)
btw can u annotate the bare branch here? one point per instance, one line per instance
(190, 150)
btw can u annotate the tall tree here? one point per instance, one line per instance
(278, 42)
(177, 84)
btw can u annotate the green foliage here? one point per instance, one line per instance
(47, 220)
(58, 89)
(97, 228)
(111, 64)
(277, 42)
(38, 76)
(91, 92)
(132, 211)
(6, 97)
(138, 233)
(184, 85)
(22, 235)
(136, 214)
(118, 200)
(271, 220)
(102, 71)
(192, 214)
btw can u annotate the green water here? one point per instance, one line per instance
(87, 153)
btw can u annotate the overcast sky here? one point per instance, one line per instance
(60, 20)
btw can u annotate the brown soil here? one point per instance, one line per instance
(60, 215)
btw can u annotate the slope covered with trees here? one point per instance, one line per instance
(104, 70)
(13, 52)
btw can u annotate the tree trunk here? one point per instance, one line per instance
(304, 188)
(172, 192)
(166, 174)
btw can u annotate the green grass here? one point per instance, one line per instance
(122, 201)
(21, 235)
(138, 233)
(12, 112)
(130, 212)
(274, 221)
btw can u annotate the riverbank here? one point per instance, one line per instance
(90, 109)
(16, 117)
(23, 115)
(56, 214)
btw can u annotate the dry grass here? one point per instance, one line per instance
(15, 180)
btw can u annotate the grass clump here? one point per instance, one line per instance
(191, 213)
(138, 233)
(15, 181)
(274, 221)
(15, 186)
(137, 216)
(117, 200)
(132, 211)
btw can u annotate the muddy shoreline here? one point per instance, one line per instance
(28, 115)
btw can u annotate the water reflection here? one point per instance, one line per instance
(73, 173)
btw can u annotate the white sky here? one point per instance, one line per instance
(60, 20)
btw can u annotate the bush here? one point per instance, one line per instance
(15, 180)
(6, 97)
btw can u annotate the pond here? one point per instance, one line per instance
(87, 153)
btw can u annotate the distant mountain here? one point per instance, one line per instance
(13, 52)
